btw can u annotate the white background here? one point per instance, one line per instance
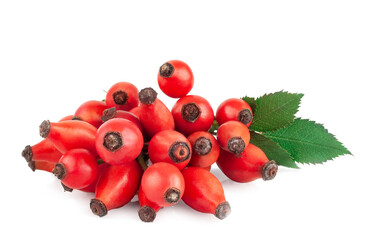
(55, 55)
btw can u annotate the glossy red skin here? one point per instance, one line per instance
(129, 116)
(69, 117)
(91, 112)
(204, 191)
(158, 178)
(204, 121)
(81, 168)
(44, 165)
(230, 109)
(144, 201)
(131, 91)
(70, 134)
(245, 167)
(232, 129)
(91, 187)
(136, 111)
(132, 141)
(180, 83)
(118, 185)
(155, 118)
(203, 161)
(45, 150)
(160, 144)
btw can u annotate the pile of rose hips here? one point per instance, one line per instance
(132, 143)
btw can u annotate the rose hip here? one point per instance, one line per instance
(148, 209)
(45, 150)
(249, 166)
(67, 135)
(154, 115)
(191, 114)
(204, 192)
(205, 149)
(123, 96)
(175, 78)
(111, 113)
(163, 184)
(77, 168)
(233, 136)
(170, 146)
(119, 141)
(234, 109)
(91, 187)
(91, 112)
(41, 165)
(116, 187)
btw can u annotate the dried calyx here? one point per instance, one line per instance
(172, 195)
(202, 146)
(98, 207)
(120, 97)
(236, 145)
(44, 128)
(59, 171)
(27, 153)
(109, 114)
(269, 170)
(179, 152)
(223, 210)
(147, 96)
(245, 116)
(113, 141)
(147, 214)
(166, 70)
(190, 112)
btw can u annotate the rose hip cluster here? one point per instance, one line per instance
(131, 143)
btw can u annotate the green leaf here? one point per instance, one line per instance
(275, 111)
(272, 150)
(251, 101)
(214, 127)
(308, 142)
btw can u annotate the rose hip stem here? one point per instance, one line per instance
(148, 209)
(67, 135)
(249, 166)
(116, 187)
(154, 115)
(204, 192)
(91, 112)
(42, 151)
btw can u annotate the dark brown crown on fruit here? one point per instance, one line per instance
(147, 214)
(172, 195)
(98, 207)
(190, 112)
(113, 141)
(120, 97)
(147, 96)
(202, 146)
(236, 145)
(269, 170)
(179, 152)
(166, 70)
(109, 113)
(245, 116)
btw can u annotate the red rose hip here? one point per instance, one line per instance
(91, 112)
(175, 78)
(119, 141)
(123, 96)
(148, 209)
(204, 192)
(170, 146)
(233, 136)
(192, 113)
(234, 109)
(154, 115)
(249, 166)
(205, 149)
(116, 187)
(163, 184)
(77, 168)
